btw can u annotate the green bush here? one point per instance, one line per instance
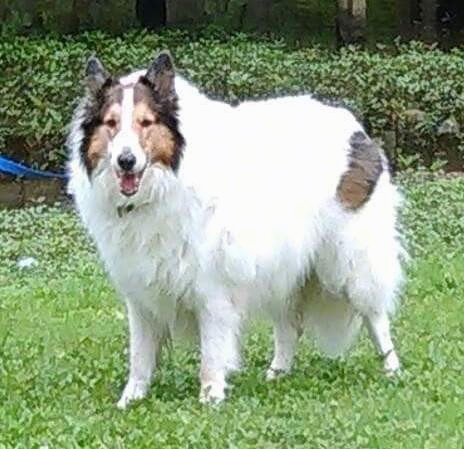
(412, 96)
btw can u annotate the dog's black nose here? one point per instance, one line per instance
(126, 160)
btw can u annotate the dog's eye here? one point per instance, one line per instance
(111, 123)
(145, 123)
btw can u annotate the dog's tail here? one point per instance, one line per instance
(333, 323)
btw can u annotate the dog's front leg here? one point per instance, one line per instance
(143, 348)
(219, 323)
(286, 333)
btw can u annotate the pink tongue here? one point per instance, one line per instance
(128, 183)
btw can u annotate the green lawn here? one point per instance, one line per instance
(63, 354)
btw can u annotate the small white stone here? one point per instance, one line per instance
(449, 126)
(27, 262)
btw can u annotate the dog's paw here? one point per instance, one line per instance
(133, 391)
(391, 364)
(275, 373)
(213, 393)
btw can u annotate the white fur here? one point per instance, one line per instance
(127, 137)
(249, 223)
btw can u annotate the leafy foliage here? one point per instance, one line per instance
(296, 18)
(403, 94)
(433, 213)
(62, 360)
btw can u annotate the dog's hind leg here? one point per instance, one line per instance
(143, 352)
(219, 324)
(378, 325)
(373, 290)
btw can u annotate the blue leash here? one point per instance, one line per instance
(15, 168)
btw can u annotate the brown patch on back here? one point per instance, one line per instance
(365, 167)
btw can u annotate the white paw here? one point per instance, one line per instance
(275, 373)
(213, 393)
(133, 390)
(392, 364)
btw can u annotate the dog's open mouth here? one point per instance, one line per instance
(129, 182)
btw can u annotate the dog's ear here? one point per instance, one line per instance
(161, 75)
(95, 74)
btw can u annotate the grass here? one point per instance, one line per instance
(63, 358)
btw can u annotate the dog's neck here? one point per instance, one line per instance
(169, 202)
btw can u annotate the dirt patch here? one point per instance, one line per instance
(16, 192)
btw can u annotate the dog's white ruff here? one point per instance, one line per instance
(249, 223)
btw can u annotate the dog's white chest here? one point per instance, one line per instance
(145, 258)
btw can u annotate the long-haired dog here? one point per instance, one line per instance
(204, 213)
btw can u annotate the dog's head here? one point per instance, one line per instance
(129, 125)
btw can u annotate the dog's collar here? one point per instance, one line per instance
(124, 210)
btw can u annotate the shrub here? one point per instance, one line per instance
(411, 95)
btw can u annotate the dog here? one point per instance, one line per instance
(205, 214)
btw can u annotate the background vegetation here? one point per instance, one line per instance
(409, 95)
(63, 360)
(290, 17)
(62, 330)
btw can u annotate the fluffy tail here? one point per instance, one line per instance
(333, 323)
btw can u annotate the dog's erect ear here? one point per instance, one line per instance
(161, 76)
(95, 74)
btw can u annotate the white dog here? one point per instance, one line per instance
(204, 213)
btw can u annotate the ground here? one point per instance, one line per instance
(63, 357)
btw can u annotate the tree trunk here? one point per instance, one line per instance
(258, 13)
(151, 13)
(359, 9)
(184, 11)
(429, 20)
(351, 21)
(404, 16)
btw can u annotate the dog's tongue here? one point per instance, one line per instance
(129, 184)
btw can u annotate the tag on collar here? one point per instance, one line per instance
(124, 210)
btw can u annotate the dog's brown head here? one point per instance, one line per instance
(130, 123)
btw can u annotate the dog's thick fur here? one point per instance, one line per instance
(283, 206)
